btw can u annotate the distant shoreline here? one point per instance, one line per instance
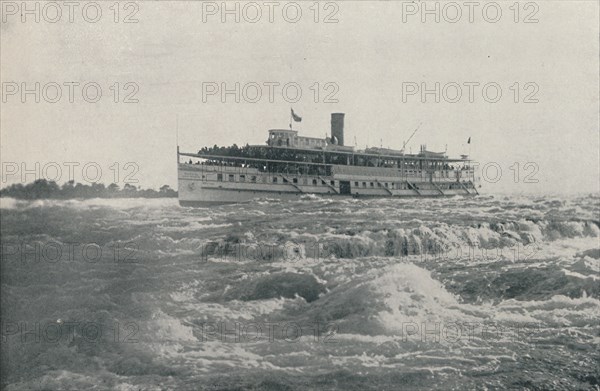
(43, 189)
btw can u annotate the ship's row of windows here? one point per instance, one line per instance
(393, 185)
(264, 179)
(315, 182)
(305, 181)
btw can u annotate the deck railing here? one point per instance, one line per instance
(300, 169)
(435, 176)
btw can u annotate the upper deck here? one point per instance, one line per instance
(290, 138)
(285, 148)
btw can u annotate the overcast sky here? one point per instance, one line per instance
(177, 50)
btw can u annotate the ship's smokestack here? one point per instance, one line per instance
(337, 128)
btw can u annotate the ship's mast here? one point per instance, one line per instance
(411, 136)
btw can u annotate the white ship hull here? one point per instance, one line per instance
(201, 185)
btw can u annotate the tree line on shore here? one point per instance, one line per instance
(42, 189)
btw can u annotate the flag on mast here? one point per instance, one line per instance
(296, 117)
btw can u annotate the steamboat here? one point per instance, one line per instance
(290, 166)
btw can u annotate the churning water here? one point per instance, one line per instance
(459, 293)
